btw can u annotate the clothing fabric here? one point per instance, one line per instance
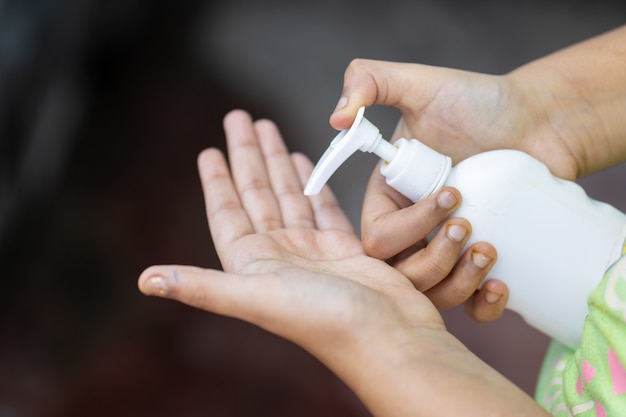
(591, 380)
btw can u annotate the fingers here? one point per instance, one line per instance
(369, 82)
(228, 221)
(488, 302)
(264, 185)
(390, 223)
(249, 172)
(465, 278)
(428, 265)
(395, 229)
(284, 178)
(449, 277)
(327, 212)
(268, 184)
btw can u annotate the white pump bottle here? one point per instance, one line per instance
(554, 242)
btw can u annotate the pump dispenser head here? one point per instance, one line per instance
(363, 136)
(410, 167)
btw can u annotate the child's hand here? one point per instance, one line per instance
(395, 230)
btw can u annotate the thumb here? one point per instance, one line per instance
(279, 305)
(206, 289)
(369, 82)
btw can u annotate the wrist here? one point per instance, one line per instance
(425, 372)
(555, 123)
(582, 92)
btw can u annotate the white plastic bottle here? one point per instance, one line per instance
(554, 242)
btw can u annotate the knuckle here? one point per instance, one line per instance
(357, 65)
(374, 244)
(440, 263)
(253, 186)
(463, 291)
(440, 268)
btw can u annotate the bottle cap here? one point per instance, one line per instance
(363, 136)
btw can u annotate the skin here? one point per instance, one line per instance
(294, 266)
(566, 109)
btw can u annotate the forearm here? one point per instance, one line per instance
(582, 90)
(430, 373)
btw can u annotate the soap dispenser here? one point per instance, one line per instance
(553, 241)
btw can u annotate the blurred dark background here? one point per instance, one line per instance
(104, 106)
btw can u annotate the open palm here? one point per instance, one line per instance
(292, 264)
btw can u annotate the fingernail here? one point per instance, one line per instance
(156, 285)
(456, 232)
(492, 297)
(341, 103)
(446, 200)
(480, 260)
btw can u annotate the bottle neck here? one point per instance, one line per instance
(416, 170)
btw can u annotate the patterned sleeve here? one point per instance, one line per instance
(591, 381)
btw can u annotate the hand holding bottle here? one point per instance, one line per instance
(565, 110)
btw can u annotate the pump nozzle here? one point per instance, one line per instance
(363, 136)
